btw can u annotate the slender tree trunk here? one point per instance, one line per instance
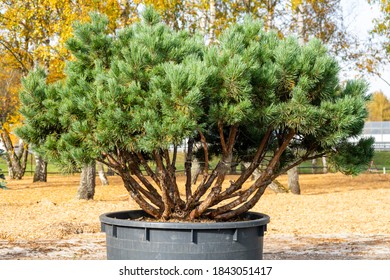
(102, 175)
(87, 182)
(277, 187)
(203, 23)
(188, 167)
(125, 13)
(16, 160)
(21, 163)
(293, 180)
(110, 172)
(314, 166)
(293, 177)
(324, 165)
(9, 167)
(195, 171)
(269, 24)
(301, 24)
(212, 22)
(40, 174)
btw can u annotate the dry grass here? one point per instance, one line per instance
(332, 204)
(329, 204)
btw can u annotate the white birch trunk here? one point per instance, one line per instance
(324, 165)
(293, 180)
(212, 22)
(314, 166)
(102, 174)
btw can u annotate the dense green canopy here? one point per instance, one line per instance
(129, 97)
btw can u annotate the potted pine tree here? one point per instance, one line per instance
(131, 98)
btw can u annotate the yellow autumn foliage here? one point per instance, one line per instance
(379, 107)
(35, 31)
(9, 101)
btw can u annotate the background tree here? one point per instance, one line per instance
(43, 107)
(379, 107)
(16, 159)
(377, 53)
(323, 20)
(34, 32)
(382, 24)
(163, 86)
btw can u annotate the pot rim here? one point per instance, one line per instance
(122, 218)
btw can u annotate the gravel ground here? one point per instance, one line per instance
(336, 217)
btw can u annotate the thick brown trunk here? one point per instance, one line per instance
(258, 187)
(173, 187)
(221, 170)
(246, 206)
(167, 181)
(135, 189)
(253, 165)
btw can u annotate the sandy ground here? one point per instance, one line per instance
(335, 217)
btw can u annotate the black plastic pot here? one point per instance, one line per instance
(128, 238)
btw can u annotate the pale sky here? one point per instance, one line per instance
(359, 15)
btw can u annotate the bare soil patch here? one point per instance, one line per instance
(335, 217)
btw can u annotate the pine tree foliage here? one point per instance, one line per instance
(131, 96)
(39, 109)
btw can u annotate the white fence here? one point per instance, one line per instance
(380, 131)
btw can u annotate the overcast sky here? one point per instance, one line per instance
(359, 15)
